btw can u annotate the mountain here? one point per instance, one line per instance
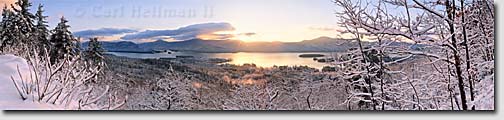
(321, 44)
(118, 46)
(197, 45)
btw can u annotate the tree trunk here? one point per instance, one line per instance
(468, 58)
(368, 80)
(451, 15)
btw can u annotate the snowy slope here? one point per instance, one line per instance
(9, 96)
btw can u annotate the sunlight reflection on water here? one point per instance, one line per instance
(269, 59)
(240, 58)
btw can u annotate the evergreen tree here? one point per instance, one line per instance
(5, 14)
(42, 31)
(24, 21)
(7, 36)
(94, 56)
(63, 42)
(78, 45)
(17, 26)
(94, 51)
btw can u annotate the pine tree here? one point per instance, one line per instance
(94, 56)
(63, 42)
(95, 51)
(78, 45)
(7, 29)
(42, 31)
(17, 26)
(24, 21)
(5, 13)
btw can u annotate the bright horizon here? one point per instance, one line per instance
(249, 21)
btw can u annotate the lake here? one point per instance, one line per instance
(240, 58)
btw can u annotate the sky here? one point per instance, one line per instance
(177, 20)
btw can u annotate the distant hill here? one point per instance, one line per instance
(321, 44)
(119, 46)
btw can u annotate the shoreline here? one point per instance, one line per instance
(142, 79)
(190, 51)
(293, 59)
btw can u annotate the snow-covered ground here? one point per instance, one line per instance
(9, 96)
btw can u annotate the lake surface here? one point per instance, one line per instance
(142, 55)
(259, 59)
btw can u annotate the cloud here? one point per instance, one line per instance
(248, 34)
(103, 32)
(216, 36)
(185, 33)
(322, 28)
(205, 31)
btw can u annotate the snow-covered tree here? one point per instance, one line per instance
(18, 26)
(62, 77)
(63, 41)
(252, 97)
(42, 32)
(65, 83)
(447, 53)
(94, 51)
(7, 36)
(173, 92)
(24, 21)
(366, 67)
